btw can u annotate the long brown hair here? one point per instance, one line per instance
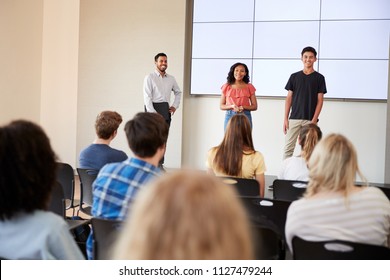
(238, 136)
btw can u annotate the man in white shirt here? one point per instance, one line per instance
(157, 90)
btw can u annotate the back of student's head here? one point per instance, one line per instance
(186, 215)
(28, 168)
(239, 130)
(107, 122)
(238, 135)
(333, 165)
(145, 133)
(309, 136)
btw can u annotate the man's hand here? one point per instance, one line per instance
(285, 126)
(172, 110)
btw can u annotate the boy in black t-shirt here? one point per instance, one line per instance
(305, 98)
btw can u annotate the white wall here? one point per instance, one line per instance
(118, 42)
(20, 59)
(59, 76)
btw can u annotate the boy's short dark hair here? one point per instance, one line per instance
(28, 166)
(145, 133)
(158, 55)
(309, 49)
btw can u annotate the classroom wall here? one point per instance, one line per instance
(21, 59)
(118, 42)
(102, 67)
(59, 79)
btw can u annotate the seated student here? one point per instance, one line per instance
(118, 183)
(185, 215)
(236, 155)
(28, 166)
(333, 207)
(295, 168)
(99, 153)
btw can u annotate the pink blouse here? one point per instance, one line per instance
(238, 96)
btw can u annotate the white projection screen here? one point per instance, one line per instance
(351, 38)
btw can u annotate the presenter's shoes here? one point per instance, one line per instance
(271, 188)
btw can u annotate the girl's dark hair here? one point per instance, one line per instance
(28, 166)
(230, 77)
(238, 135)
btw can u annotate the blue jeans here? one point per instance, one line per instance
(230, 113)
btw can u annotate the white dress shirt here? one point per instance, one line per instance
(157, 88)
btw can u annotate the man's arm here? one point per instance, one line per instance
(177, 92)
(317, 112)
(287, 108)
(148, 93)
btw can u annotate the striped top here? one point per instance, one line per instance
(366, 219)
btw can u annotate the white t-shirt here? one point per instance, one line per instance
(294, 168)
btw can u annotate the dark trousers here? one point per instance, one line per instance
(163, 109)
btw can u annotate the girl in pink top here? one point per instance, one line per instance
(238, 95)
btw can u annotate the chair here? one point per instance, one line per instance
(244, 187)
(271, 214)
(104, 235)
(275, 211)
(65, 175)
(87, 177)
(268, 243)
(337, 250)
(57, 205)
(57, 200)
(288, 189)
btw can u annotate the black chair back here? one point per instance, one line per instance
(273, 211)
(105, 233)
(244, 187)
(337, 250)
(65, 175)
(268, 243)
(87, 177)
(57, 200)
(288, 189)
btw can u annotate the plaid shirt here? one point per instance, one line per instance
(115, 188)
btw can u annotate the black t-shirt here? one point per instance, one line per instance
(305, 90)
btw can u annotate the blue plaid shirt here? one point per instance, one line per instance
(115, 188)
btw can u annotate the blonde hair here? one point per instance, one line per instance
(333, 166)
(186, 215)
